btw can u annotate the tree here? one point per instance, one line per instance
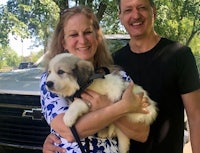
(11, 57)
(2, 59)
(30, 19)
(3, 30)
(176, 19)
(8, 57)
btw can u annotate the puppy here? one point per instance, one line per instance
(66, 75)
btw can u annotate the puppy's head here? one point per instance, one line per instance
(66, 73)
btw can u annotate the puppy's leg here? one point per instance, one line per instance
(76, 109)
(108, 132)
(123, 141)
(103, 133)
(112, 131)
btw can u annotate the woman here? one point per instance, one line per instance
(78, 32)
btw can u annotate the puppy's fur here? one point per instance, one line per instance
(67, 73)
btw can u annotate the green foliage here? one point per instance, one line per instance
(12, 59)
(176, 19)
(2, 59)
(110, 22)
(3, 28)
(34, 56)
(31, 19)
(195, 44)
(8, 57)
(197, 57)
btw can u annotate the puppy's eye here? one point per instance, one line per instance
(60, 72)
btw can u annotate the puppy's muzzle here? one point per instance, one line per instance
(50, 84)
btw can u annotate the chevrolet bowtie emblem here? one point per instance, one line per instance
(35, 114)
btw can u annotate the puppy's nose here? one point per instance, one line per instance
(49, 84)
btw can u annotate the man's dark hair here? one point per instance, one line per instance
(151, 2)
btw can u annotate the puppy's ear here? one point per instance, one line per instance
(83, 70)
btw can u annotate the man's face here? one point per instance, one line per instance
(137, 16)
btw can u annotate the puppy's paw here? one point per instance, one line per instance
(76, 109)
(112, 131)
(103, 133)
(69, 118)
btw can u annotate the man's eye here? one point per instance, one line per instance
(127, 10)
(142, 8)
(60, 72)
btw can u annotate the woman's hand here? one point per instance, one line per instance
(49, 144)
(96, 100)
(135, 103)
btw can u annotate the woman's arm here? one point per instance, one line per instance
(135, 131)
(104, 113)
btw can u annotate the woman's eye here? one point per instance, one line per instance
(74, 35)
(60, 72)
(87, 32)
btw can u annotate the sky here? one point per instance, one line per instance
(3, 2)
(22, 48)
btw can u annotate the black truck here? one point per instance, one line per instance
(22, 126)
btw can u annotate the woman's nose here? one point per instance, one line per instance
(82, 39)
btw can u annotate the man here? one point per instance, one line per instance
(167, 70)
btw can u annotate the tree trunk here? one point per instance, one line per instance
(101, 10)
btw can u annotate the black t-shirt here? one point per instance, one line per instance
(166, 71)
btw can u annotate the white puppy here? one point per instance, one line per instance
(66, 75)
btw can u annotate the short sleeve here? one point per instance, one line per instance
(188, 79)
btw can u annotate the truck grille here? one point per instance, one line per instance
(20, 124)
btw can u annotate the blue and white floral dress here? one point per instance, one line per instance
(52, 105)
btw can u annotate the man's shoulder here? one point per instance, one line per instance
(121, 51)
(168, 42)
(171, 46)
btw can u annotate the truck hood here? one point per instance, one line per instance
(25, 81)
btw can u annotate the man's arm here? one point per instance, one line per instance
(192, 105)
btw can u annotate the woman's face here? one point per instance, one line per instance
(80, 37)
